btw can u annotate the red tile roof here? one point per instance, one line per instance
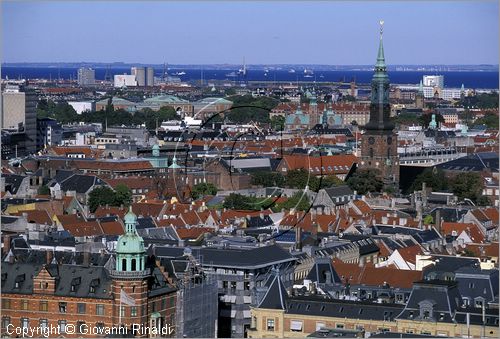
(37, 216)
(371, 275)
(447, 228)
(331, 164)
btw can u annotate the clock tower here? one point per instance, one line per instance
(379, 142)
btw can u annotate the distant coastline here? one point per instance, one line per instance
(452, 79)
(319, 67)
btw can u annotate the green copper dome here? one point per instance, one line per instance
(130, 244)
(130, 217)
(130, 247)
(156, 150)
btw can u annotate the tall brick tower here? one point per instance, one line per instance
(379, 142)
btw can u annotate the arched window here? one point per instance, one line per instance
(371, 152)
(133, 268)
(388, 153)
(124, 264)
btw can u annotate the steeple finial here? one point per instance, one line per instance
(380, 57)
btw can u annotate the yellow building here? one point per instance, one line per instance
(430, 310)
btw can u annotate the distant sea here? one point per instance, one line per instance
(452, 79)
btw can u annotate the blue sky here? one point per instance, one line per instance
(328, 32)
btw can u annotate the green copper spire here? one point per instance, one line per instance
(380, 106)
(421, 87)
(380, 56)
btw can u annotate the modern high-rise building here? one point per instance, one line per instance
(379, 142)
(125, 80)
(434, 80)
(140, 75)
(19, 115)
(150, 77)
(86, 76)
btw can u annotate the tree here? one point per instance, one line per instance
(240, 202)
(433, 178)
(467, 185)
(202, 189)
(365, 180)
(490, 119)
(299, 201)
(101, 196)
(330, 181)
(259, 112)
(267, 179)
(123, 195)
(428, 220)
(278, 122)
(44, 190)
(483, 201)
(300, 178)
(425, 119)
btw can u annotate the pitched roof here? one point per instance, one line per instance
(472, 230)
(192, 233)
(373, 276)
(38, 216)
(322, 165)
(275, 297)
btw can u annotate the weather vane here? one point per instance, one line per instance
(381, 27)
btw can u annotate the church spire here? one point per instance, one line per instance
(380, 65)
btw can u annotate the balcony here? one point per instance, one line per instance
(130, 275)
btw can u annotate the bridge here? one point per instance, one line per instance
(429, 157)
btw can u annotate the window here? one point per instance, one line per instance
(63, 307)
(44, 323)
(339, 325)
(44, 285)
(81, 308)
(270, 324)
(24, 305)
(122, 311)
(225, 284)
(25, 322)
(62, 326)
(100, 327)
(5, 321)
(133, 311)
(425, 332)
(471, 285)
(44, 305)
(5, 304)
(172, 301)
(163, 304)
(99, 309)
(319, 326)
(296, 326)
(79, 326)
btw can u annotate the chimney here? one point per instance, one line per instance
(49, 255)
(86, 259)
(298, 238)
(437, 222)
(328, 277)
(6, 243)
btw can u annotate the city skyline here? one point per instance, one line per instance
(415, 33)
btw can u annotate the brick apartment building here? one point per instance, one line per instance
(94, 295)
